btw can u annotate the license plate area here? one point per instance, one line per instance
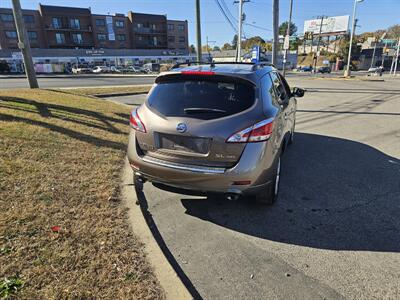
(171, 142)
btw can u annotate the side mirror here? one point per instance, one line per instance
(298, 92)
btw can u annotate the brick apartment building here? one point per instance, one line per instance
(56, 27)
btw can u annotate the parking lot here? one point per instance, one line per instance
(333, 233)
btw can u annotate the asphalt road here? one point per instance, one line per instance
(334, 232)
(65, 81)
(76, 81)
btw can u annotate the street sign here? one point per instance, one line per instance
(286, 43)
(255, 54)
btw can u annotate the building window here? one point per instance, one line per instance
(77, 38)
(60, 38)
(7, 17)
(182, 39)
(74, 23)
(100, 22)
(121, 37)
(181, 27)
(101, 37)
(154, 41)
(140, 38)
(171, 39)
(119, 24)
(32, 35)
(153, 26)
(139, 25)
(29, 19)
(171, 27)
(57, 24)
(11, 34)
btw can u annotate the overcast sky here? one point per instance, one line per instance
(372, 14)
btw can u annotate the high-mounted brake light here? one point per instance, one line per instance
(206, 73)
(135, 122)
(256, 133)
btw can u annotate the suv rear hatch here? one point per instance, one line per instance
(188, 118)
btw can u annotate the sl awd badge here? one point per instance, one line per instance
(181, 127)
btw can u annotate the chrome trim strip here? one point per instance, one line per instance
(190, 168)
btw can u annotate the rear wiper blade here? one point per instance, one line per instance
(195, 110)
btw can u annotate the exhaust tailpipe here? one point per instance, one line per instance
(232, 197)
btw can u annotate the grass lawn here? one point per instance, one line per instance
(109, 90)
(63, 231)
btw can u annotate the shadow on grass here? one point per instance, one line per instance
(65, 113)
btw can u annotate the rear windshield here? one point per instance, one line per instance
(201, 99)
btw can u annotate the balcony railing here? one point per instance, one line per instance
(147, 30)
(69, 28)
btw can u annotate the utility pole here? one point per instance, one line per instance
(285, 54)
(240, 30)
(347, 72)
(397, 57)
(275, 29)
(208, 48)
(318, 42)
(373, 53)
(23, 44)
(198, 31)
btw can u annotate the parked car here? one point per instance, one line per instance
(81, 70)
(306, 69)
(219, 128)
(4, 67)
(101, 69)
(136, 69)
(151, 68)
(324, 70)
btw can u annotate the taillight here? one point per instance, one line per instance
(206, 73)
(135, 122)
(256, 133)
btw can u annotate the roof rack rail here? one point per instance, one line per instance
(212, 64)
(262, 65)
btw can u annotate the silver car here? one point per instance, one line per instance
(215, 128)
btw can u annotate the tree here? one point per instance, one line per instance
(234, 41)
(283, 28)
(226, 46)
(206, 48)
(192, 49)
(249, 43)
(216, 48)
(394, 31)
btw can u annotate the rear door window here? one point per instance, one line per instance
(281, 88)
(201, 99)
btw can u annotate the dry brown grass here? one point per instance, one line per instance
(109, 90)
(61, 156)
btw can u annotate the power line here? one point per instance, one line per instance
(228, 10)
(225, 15)
(259, 27)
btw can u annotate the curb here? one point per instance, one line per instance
(168, 278)
(347, 79)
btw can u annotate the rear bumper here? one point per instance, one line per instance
(255, 165)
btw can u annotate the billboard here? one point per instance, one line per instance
(330, 25)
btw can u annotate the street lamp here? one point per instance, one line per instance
(347, 73)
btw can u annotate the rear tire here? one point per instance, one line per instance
(269, 194)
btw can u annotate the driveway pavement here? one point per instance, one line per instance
(334, 232)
